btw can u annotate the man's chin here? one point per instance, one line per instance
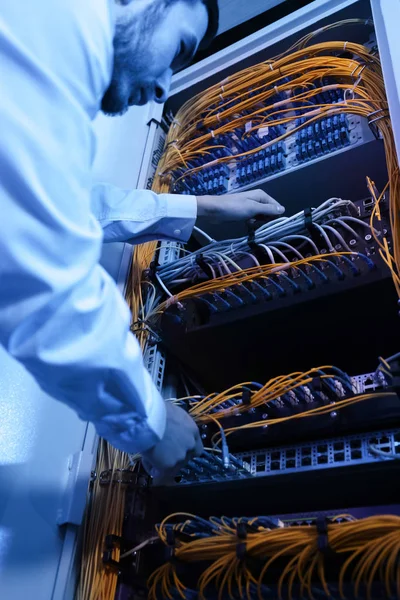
(112, 107)
(120, 113)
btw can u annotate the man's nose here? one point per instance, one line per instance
(162, 87)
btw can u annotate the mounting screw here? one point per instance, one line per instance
(203, 436)
(368, 237)
(204, 426)
(353, 242)
(338, 247)
(265, 416)
(333, 415)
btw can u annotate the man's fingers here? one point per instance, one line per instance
(262, 197)
(267, 210)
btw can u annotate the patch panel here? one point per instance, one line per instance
(323, 454)
(292, 285)
(326, 453)
(277, 420)
(302, 456)
(211, 467)
(312, 142)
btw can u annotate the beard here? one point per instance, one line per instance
(132, 54)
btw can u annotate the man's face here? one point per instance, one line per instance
(151, 42)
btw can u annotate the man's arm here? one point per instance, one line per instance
(138, 216)
(61, 315)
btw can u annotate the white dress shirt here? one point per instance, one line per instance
(61, 315)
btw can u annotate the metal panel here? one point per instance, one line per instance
(121, 142)
(38, 438)
(124, 146)
(252, 44)
(324, 454)
(386, 14)
(116, 259)
(234, 12)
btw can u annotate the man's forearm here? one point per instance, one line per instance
(138, 216)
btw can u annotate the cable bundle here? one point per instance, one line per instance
(258, 276)
(104, 516)
(282, 240)
(327, 386)
(242, 553)
(302, 77)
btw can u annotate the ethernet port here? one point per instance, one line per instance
(275, 456)
(339, 457)
(290, 464)
(322, 448)
(306, 461)
(338, 446)
(290, 453)
(306, 451)
(356, 454)
(322, 460)
(260, 467)
(355, 444)
(275, 465)
(368, 205)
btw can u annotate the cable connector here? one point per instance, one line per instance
(241, 546)
(150, 273)
(323, 540)
(110, 544)
(258, 251)
(246, 396)
(171, 543)
(200, 262)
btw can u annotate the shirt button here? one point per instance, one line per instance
(177, 232)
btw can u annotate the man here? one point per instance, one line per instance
(61, 315)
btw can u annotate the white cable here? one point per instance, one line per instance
(280, 230)
(268, 251)
(326, 238)
(339, 237)
(291, 248)
(279, 253)
(204, 234)
(343, 224)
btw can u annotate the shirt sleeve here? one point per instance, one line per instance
(61, 315)
(137, 216)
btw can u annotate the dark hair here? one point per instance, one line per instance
(213, 22)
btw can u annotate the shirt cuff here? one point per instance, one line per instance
(182, 210)
(130, 433)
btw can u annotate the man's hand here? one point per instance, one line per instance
(180, 443)
(238, 207)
